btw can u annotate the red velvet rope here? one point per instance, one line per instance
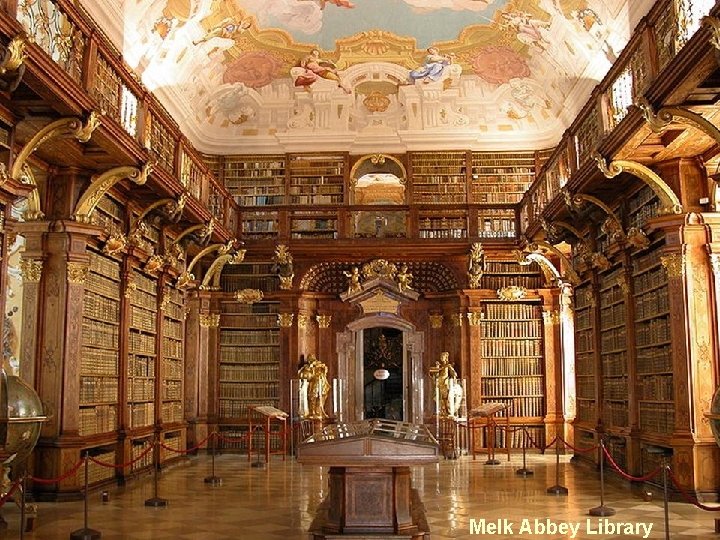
(536, 445)
(579, 450)
(625, 475)
(189, 450)
(122, 465)
(12, 489)
(230, 440)
(59, 478)
(688, 498)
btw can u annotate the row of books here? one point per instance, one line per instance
(171, 390)
(172, 348)
(615, 388)
(103, 285)
(173, 311)
(657, 417)
(172, 329)
(646, 262)
(513, 386)
(141, 389)
(98, 389)
(143, 299)
(97, 419)
(515, 439)
(612, 316)
(142, 414)
(137, 448)
(442, 233)
(584, 364)
(258, 200)
(656, 387)
(141, 366)
(585, 387)
(500, 233)
(511, 366)
(654, 331)
(316, 199)
(172, 412)
(654, 359)
(434, 198)
(100, 265)
(586, 411)
(533, 406)
(650, 279)
(144, 283)
(172, 368)
(97, 473)
(258, 308)
(100, 307)
(511, 328)
(142, 344)
(258, 225)
(99, 361)
(583, 319)
(263, 163)
(614, 364)
(99, 334)
(652, 304)
(511, 347)
(256, 355)
(254, 390)
(233, 282)
(142, 319)
(613, 340)
(512, 311)
(615, 414)
(247, 337)
(267, 372)
(232, 408)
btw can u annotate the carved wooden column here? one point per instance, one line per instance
(553, 362)
(472, 373)
(207, 365)
(438, 328)
(288, 362)
(192, 361)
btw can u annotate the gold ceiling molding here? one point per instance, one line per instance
(374, 46)
(64, 128)
(102, 183)
(671, 203)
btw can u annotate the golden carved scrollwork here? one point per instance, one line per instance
(187, 277)
(115, 243)
(285, 320)
(667, 115)
(714, 24)
(248, 296)
(323, 321)
(204, 231)
(476, 265)
(130, 286)
(513, 292)
(535, 251)
(457, 319)
(436, 321)
(551, 317)
(164, 299)
(211, 280)
(154, 264)
(77, 272)
(474, 318)
(674, 264)
(14, 54)
(102, 183)
(31, 270)
(63, 128)
(303, 320)
(209, 320)
(670, 202)
(284, 266)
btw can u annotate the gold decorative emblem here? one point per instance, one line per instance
(130, 287)
(77, 272)
(323, 320)
(376, 102)
(475, 318)
(379, 303)
(164, 299)
(249, 296)
(476, 266)
(637, 238)
(436, 321)
(303, 320)
(379, 268)
(513, 292)
(31, 270)
(674, 264)
(209, 320)
(285, 320)
(154, 264)
(14, 55)
(115, 243)
(284, 266)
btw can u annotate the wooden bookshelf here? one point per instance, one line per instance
(499, 274)
(255, 180)
(438, 177)
(99, 359)
(614, 348)
(513, 365)
(142, 339)
(313, 225)
(258, 225)
(250, 275)
(447, 224)
(496, 223)
(173, 365)
(317, 179)
(500, 177)
(249, 364)
(585, 358)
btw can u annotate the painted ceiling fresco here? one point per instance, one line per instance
(289, 75)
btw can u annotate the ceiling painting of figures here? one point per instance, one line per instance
(286, 75)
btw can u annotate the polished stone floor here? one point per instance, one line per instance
(279, 502)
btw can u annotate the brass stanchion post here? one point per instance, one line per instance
(524, 471)
(86, 533)
(557, 489)
(22, 506)
(155, 500)
(602, 510)
(212, 479)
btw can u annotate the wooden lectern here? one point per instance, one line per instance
(263, 417)
(369, 482)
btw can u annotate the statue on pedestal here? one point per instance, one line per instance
(450, 392)
(314, 388)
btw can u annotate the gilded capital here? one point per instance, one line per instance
(715, 261)
(285, 320)
(457, 319)
(303, 320)
(77, 272)
(474, 318)
(551, 317)
(436, 321)
(674, 264)
(209, 320)
(323, 320)
(31, 270)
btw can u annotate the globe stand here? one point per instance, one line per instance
(22, 506)
(557, 489)
(86, 533)
(155, 501)
(212, 479)
(524, 471)
(602, 510)
(491, 447)
(664, 453)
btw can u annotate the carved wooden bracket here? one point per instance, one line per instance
(216, 268)
(668, 199)
(12, 63)
(535, 252)
(205, 231)
(64, 128)
(714, 24)
(185, 279)
(102, 183)
(34, 209)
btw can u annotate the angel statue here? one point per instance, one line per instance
(404, 279)
(353, 280)
(284, 266)
(449, 390)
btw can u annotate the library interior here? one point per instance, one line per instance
(368, 269)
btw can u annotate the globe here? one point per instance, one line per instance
(21, 418)
(714, 416)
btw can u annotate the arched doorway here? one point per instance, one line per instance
(357, 346)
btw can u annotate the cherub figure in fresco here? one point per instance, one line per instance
(593, 25)
(433, 67)
(229, 28)
(528, 28)
(314, 68)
